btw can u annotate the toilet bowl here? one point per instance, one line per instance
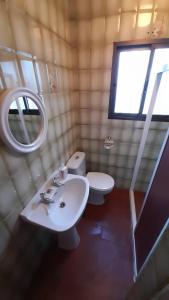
(100, 183)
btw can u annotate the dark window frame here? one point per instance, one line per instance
(26, 111)
(119, 46)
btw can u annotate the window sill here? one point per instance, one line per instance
(137, 117)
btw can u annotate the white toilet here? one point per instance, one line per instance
(100, 183)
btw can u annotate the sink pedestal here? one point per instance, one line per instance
(68, 239)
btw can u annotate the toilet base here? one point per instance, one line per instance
(96, 198)
(69, 239)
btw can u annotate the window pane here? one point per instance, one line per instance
(21, 103)
(162, 100)
(130, 82)
(13, 105)
(31, 104)
(161, 61)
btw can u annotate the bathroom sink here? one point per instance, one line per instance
(69, 203)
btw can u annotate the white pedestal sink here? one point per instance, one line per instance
(62, 215)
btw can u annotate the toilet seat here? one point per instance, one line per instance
(100, 181)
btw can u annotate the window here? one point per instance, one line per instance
(134, 71)
(27, 106)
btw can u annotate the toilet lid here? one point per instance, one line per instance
(100, 181)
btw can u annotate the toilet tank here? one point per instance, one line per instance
(77, 164)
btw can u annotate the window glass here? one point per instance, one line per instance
(13, 105)
(160, 62)
(162, 100)
(130, 81)
(20, 102)
(31, 104)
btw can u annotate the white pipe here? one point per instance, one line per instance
(138, 162)
(146, 129)
(137, 166)
(133, 221)
(132, 209)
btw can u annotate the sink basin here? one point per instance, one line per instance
(61, 216)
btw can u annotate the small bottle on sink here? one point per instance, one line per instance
(63, 171)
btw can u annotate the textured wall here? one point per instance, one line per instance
(35, 51)
(100, 23)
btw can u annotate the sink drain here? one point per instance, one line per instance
(62, 204)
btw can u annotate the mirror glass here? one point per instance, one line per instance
(25, 120)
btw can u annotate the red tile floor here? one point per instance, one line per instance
(101, 267)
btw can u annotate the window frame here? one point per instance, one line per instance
(118, 47)
(26, 111)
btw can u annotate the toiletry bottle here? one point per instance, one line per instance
(63, 171)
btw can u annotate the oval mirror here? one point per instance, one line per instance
(23, 120)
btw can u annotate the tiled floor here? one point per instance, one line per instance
(101, 267)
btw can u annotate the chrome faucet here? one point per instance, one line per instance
(46, 200)
(57, 181)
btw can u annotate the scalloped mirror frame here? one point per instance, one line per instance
(7, 96)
